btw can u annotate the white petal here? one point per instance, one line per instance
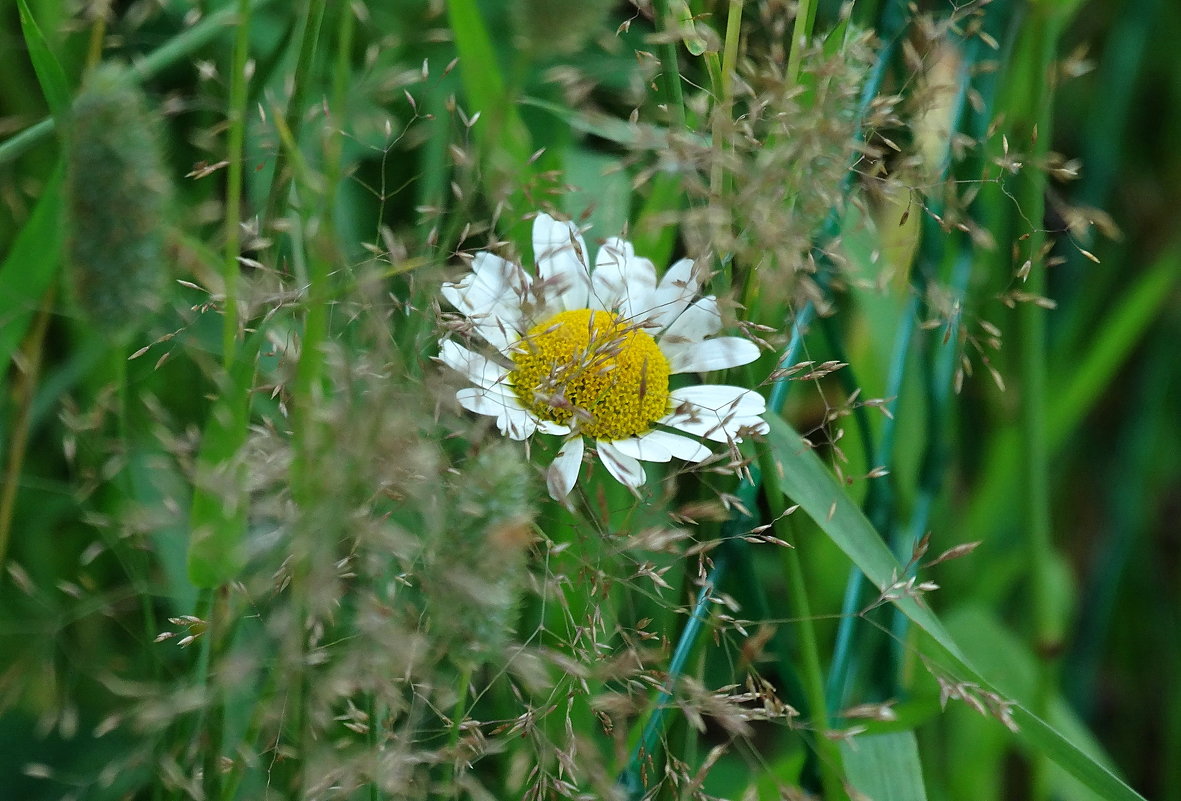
(698, 321)
(623, 468)
(609, 280)
(478, 369)
(493, 285)
(622, 280)
(689, 450)
(719, 353)
(715, 428)
(677, 288)
(561, 263)
(512, 420)
(644, 448)
(717, 413)
(721, 398)
(517, 424)
(491, 296)
(563, 470)
(549, 427)
(487, 400)
(495, 281)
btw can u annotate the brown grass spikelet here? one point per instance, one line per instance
(778, 155)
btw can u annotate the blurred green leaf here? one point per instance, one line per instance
(1111, 344)
(604, 126)
(1001, 653)
(806, 481)
(156, 484)
(504, 139)
(219, 513)
(49, 72)
(885, 767)
(30, 268)
(1077, 391)
(601, 188)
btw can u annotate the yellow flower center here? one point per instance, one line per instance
(590, 367)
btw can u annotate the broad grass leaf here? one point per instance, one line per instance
(49, 72)
(805, 480)
(885, 767)
(30, 267)
(1001, 653)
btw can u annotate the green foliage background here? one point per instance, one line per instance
(265, 444)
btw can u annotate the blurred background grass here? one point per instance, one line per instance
(100, 450)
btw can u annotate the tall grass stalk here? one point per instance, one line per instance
(670, 83)
(828, 754)
(801, 36)
(1035, 121)
(236, 112)
(313, 19)
(24, 393)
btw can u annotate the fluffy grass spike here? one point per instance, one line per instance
(117, 196)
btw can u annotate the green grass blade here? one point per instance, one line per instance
(1112, 343)
(885, 767)
(49, 72)
(805, 479)
(218, 516)
(622, 132)
(505, 144)
(30, 268)
(183, 45)
(484, 85)
(1081, 389)
(1001, 653)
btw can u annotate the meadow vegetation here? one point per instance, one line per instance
(267, 268)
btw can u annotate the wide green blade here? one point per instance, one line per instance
(807, 482)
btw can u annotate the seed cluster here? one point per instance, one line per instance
(594, 368)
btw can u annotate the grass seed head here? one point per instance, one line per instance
(117, 197)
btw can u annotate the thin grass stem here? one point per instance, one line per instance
(281, 180)
(654, 726)
(674, 96)
(720, 182)
(800, 35)
(458, 715)
(879, 509)
(1042, 28)
(235, 155)
(24, 392)
(94, 48)
(828, 754)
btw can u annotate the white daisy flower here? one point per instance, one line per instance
(587, 354)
